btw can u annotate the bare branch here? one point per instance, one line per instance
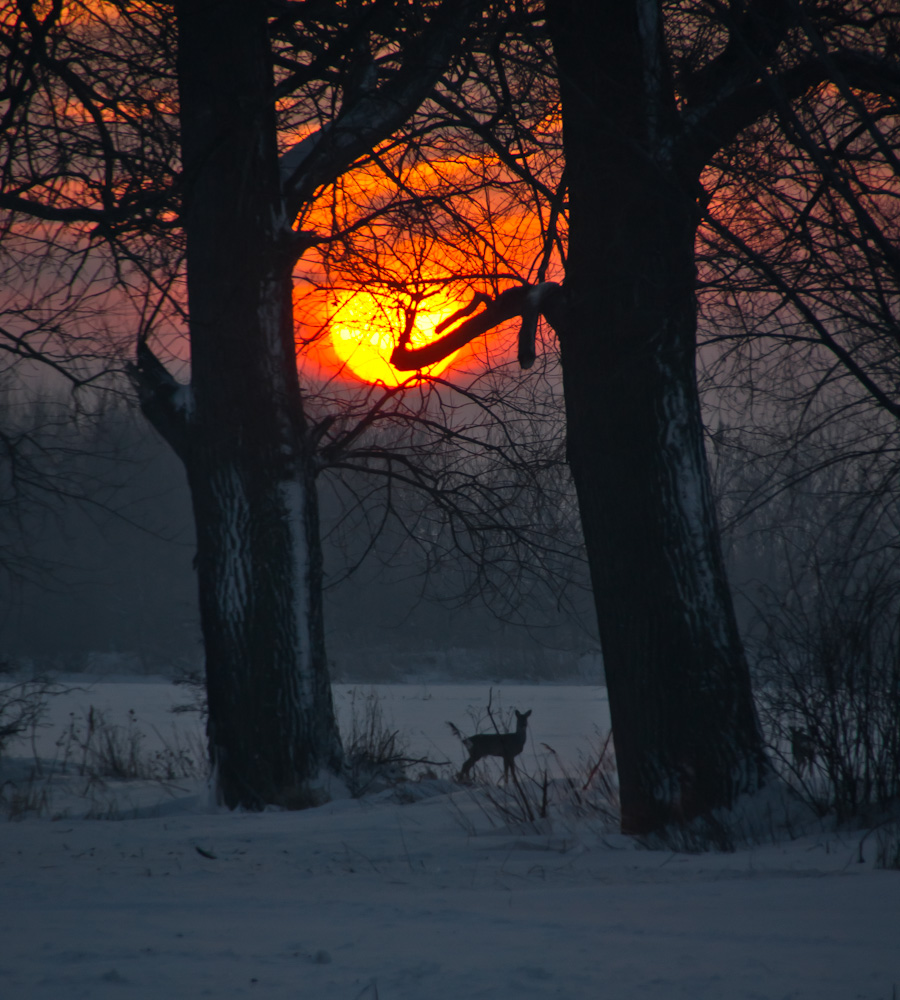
(374, 115)
(527, 301)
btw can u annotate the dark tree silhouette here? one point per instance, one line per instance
(241, 429)
(95, 171)
(650, 94)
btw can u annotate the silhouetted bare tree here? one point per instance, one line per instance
(135, 190)
(654, 96)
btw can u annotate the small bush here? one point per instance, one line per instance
(887, 846)
(98, 749)
(30, 795)
(194, 686)
(554, 793)
(828, 674)
(375, 755)
(22, 705)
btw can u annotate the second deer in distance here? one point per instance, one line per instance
(505, 745)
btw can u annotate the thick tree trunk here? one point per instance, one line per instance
(272, 732)
(684, 725)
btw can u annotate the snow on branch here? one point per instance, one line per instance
(527, 301)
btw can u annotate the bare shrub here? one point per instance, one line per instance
(555, 793)
(90, 748)
(194, 685)
(22, 705)
(97, 748)
(19, 798)
(887, 846)
(376, 755)
(828, 669)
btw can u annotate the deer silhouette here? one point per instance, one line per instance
(505, 745)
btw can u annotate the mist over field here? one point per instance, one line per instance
(109, 585)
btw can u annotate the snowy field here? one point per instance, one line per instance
(428, 898)
(568, 718)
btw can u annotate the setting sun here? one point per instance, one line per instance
(357, 297)
(363, 331)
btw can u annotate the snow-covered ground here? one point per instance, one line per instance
(430, 898)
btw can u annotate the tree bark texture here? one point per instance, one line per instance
(272, 731)
(686, 736)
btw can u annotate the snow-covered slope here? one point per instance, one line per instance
(429, 899)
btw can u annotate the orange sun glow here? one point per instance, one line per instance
(353, 301)
(352, 332)
(363, 332)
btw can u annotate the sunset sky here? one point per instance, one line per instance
(353, 299)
